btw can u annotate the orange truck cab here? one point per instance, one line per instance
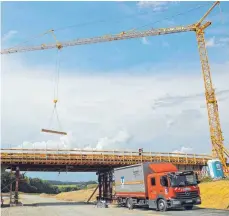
(158, 186)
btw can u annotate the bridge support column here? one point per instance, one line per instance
(3, 168)
(105, 180)
(14, 188)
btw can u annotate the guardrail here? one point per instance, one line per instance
(77, 156)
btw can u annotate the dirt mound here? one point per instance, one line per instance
(47, 195)
(215, 194)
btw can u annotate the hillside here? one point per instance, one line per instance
(77, 196)
(213, 194)
(36, 185)
(55, 182)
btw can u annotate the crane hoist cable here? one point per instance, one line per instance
(56, 92)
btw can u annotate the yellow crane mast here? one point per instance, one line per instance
(218, 148)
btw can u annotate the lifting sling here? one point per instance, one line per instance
(55, 100)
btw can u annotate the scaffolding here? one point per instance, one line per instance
(90, 158)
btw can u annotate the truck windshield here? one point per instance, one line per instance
(182, 180)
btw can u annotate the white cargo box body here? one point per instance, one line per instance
(132, 180)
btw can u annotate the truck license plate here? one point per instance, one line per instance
(188, 201)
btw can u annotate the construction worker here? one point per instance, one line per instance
(140, 151)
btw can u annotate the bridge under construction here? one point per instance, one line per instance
(101, 162)
(88, 160)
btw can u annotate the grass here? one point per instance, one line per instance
(63, 186)
(91, 186)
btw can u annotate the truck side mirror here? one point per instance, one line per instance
(197, 179)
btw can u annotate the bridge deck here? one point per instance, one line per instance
(87, 160)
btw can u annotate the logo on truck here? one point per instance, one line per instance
(187, 193)
(136, 173)
(122, 180)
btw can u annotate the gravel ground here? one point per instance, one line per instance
(34, 205)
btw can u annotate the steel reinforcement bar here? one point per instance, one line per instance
(89, 157)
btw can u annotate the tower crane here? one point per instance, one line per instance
(218, 148)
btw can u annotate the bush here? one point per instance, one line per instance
(36, 185)
(28, 185)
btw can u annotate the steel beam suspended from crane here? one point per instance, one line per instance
(218, 148)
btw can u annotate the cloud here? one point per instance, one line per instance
(169, 101)
(156, 112)
(154, 5)
(221, 42)
(64, 142)
(224, 40)
(67, 142)
(211, 42)
(184, 150)
(10, 34)
(121, 138)
(145, 41)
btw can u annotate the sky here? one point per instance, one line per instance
(124, 95)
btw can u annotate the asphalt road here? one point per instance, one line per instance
(34, 205)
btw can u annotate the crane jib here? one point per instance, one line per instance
(107, 38)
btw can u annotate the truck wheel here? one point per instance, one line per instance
(129, 203)
(119, 202)
(162, 205)
(188, 207)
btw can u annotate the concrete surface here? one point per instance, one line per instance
(34, 205)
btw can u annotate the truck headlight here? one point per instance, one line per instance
(176, 202)
(198, 200)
